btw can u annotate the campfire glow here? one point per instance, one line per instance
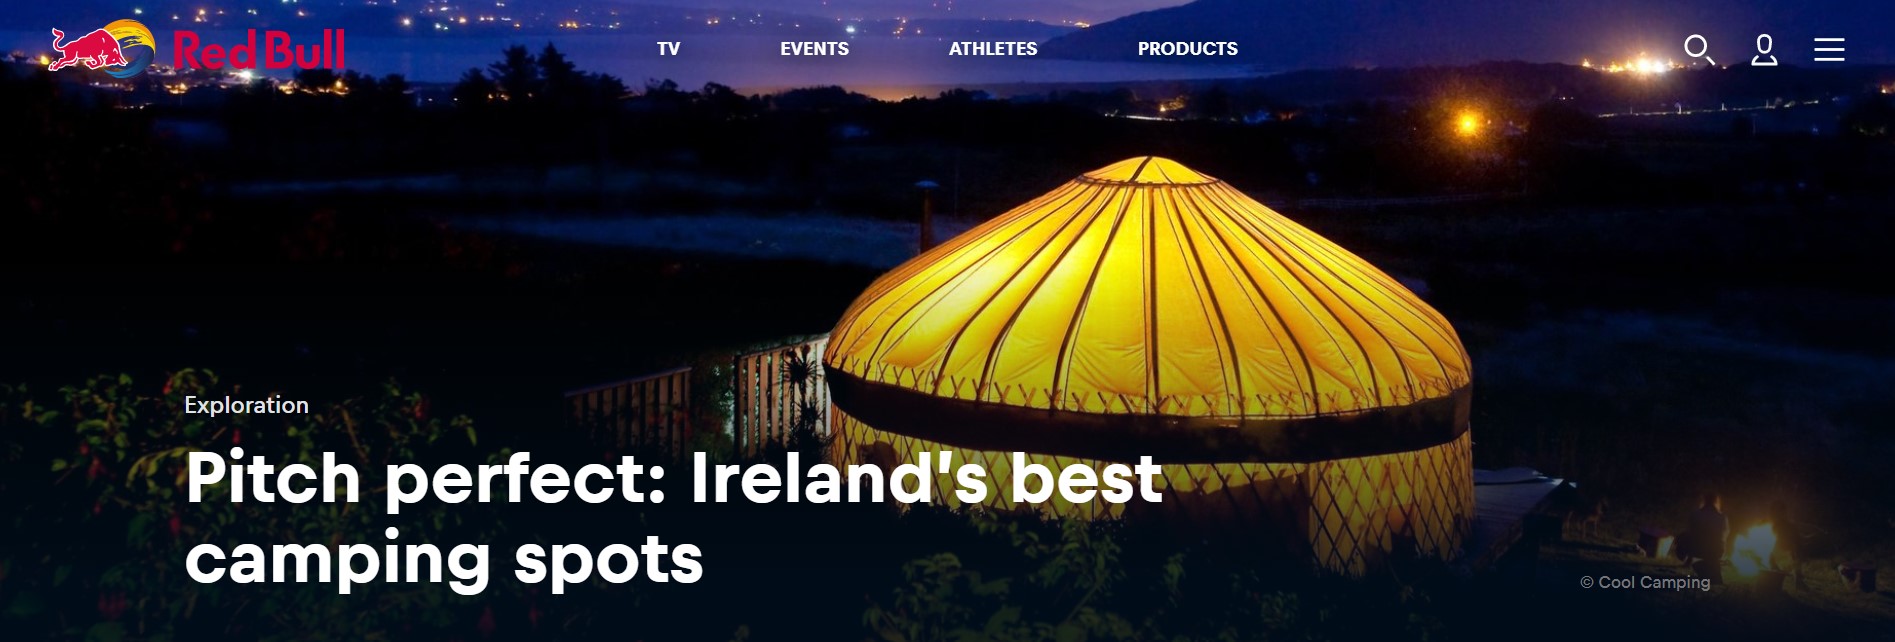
(1750, 552)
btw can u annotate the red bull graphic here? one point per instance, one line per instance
(278, 52)
(123, 49)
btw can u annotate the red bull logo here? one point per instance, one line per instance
(278, 52)
(123, 49)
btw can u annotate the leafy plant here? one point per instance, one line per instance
(102, 524)
(1061, 597)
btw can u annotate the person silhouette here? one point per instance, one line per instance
(1764, 44)
(1788, 556)
(1703, 545)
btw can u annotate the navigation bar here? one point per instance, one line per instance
(1179, 50)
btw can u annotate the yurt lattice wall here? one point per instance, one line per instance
(1344, 515)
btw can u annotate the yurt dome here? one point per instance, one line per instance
(1148, 309)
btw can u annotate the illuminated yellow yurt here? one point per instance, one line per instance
(1296, 395)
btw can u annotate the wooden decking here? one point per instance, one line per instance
(1502, 501)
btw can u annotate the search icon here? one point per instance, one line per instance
(1704, 48)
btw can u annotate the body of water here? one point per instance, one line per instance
(833, 239)
(880, 66)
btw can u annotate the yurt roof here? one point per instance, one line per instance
(1148, 299)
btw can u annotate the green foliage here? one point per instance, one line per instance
(1074, 580)
(1063, 594)
(1871, 116)
(98, 538)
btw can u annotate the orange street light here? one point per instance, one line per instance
(1468, 124)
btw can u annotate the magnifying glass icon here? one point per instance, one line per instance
(1704, 48)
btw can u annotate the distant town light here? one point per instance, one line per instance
(1641, 66)
(1648, 66)
(1468, 124)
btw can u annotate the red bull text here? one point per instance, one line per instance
(278, 52)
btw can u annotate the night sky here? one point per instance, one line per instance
(1714, 14)
(1554, 30)
(1379, 32)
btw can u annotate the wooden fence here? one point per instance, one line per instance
(773, 392)
(776, 391)
(652, 412)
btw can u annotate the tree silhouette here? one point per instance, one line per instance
(475, 89)
(724, 103)
(517, 74)
(1872, 116)
(556, 72)
(548, 80)
(310, 80)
